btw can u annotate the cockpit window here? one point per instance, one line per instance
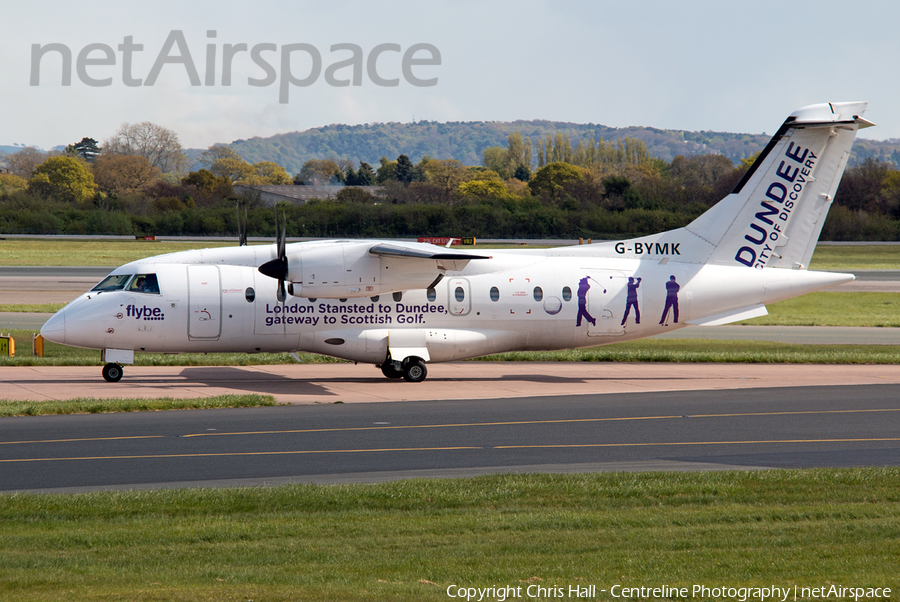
(145, 283)
(113, 282)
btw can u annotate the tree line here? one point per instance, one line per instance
(466, 140)
(137, 183)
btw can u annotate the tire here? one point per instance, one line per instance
(390, 370)
(414, 370)
(112, 373)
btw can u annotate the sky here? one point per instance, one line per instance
(686, 65)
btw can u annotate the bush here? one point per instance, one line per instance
(353, 194)
(844, 224)
(568, 202)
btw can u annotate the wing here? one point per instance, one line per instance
(349, 269)
(447, 259)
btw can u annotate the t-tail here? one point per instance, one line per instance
(775, 214)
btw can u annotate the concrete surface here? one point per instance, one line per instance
(348, 383)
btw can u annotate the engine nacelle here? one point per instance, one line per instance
(347, 270)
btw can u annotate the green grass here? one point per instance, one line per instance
(711, 350)
(42, 308)
(834, 309)
(83, 405)
(855, 257)
(410, 540)
(644, 350)
(55, 252)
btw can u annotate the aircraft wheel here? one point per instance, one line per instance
(112, 373)
(391, 370)
(414, 370)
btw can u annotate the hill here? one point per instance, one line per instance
(8, 150)
(466, 140)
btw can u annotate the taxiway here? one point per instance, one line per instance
(744, 429)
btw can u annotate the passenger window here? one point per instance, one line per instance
(375, 298)
(495, 294)
(538, 293)
(431, 294)
(144, 283)
(250, 294)
(397, 296)
(112, 283)
(567, 293)
(459, 293)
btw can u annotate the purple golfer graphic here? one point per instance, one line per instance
(672, 289)
(632, 301)
(583, 287)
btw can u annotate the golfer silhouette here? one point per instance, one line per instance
(672, 289)
(632, 301)
(583, 287)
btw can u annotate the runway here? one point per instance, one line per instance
(745, 429)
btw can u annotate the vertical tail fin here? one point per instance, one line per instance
(775, 214)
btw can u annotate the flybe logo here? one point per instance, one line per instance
(775, 209)
(146, 313)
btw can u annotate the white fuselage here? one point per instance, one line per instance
(216, 300)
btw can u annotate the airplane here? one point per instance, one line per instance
(402, 305)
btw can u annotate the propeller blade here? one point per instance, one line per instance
(242, 226)
(281, 235)
(278, 268)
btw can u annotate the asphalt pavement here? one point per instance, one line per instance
(799, 427)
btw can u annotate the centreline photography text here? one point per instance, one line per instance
(534, 591)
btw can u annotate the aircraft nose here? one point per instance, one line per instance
(54, 329)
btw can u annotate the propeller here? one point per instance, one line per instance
(242, 225)
(278, 268)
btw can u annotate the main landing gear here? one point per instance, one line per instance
(412, 369)
(112, 373)
(391, 370)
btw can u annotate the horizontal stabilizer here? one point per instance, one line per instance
(735, 315)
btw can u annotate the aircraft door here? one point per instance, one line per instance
(204, 302)
(603, 295)
(460, 301)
